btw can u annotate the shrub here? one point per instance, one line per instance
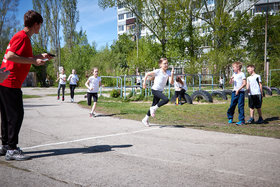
(115, 93)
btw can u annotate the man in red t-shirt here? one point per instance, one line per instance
(17, 61)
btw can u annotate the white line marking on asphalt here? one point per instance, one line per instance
(89, 138)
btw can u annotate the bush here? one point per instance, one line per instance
(115, 93)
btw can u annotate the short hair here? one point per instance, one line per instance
(237, 63)
(31, 17)
(161, 60)
(94, 68)
(251, 66)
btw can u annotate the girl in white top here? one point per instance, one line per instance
(180, 88)
(161, 76)
(62, 83)
(73, 78)
(93, 83)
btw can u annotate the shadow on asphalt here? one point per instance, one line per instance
(109, 115)
(85, 150)
(30, 106)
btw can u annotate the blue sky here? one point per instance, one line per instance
(100, 25)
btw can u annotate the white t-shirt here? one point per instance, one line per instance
(94, 83)
(178, 86)
(73, 79)
(160, 79)
(62, 78)
(238, 81)
(253, 82)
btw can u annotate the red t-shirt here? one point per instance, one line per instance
(20, 44)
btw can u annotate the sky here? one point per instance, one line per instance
(100, 25)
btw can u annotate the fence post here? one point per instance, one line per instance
(141, 85)
(193, 82)
(199, 76)
(121, 86)
(100, 90)
(124, 87)
(168, 89)
(212, 83)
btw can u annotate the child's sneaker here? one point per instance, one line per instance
(145, 121)
(260, 120)
(57, 97)
(153, 111)
(90, 114)
(239, 123)
(72, 100)
(16, 154)
(229, 121)
(251, 120)
(62, 98)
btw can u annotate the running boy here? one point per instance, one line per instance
(161, 76)
(62, 84)
(254, 87)
(180, 89)
(238, 93)
(93, 83)
(73, 78)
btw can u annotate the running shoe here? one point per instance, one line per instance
(16, 154)
(146, 122)
(260, 120)
(239, 123)
(153, 111)
(57, 97)
(251, 120)
(62, 98)
(230, 121)
(3, 150)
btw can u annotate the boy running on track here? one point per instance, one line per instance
(161, 76)
(93, 83)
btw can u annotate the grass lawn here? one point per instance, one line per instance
(200, 116)
(30, 96)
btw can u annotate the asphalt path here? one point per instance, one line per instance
(68, 148)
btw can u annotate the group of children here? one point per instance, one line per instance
(161, 76)
(253, 85)
(93, 83)
(255, 94)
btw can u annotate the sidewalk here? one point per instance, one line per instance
(70, 149)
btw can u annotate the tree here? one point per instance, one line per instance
(8, 22)
(121, 49)
(151, 14)
(70, 18)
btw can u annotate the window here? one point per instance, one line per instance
(120, 6)
(121, 28)
(121, 16)
(129, 15)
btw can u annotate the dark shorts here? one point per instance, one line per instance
(255, 101)
(91, 95)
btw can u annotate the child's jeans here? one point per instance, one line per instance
(237, 99)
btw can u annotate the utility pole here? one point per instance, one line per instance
(265, 46)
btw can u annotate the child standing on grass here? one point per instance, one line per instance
(62, 84)
(238, 94)
(73, 78)
(254, 87)
(93, 83)
(161, 76)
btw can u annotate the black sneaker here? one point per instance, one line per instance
(260, 120)
(251, 120)
(16, 154)
(3, 150)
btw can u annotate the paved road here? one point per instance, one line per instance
(70, 149)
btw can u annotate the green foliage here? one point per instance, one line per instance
(115, 93)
